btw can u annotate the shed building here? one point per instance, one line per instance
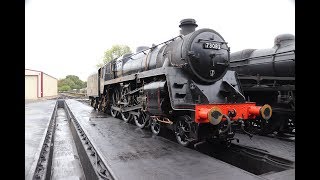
(39, 85)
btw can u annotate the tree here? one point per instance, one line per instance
(67, 82)
(114, 52)
(71, 82)
(64, 88)
(78, 84)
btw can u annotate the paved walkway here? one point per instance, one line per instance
(37, 116)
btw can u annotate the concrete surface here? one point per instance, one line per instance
(133, 153)
(37, 118)
(277, 147)
(283, 175)
(65, 162)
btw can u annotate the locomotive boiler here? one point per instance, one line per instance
(183, 84)
(270, 73)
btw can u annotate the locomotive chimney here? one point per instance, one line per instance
(187, 26)
(283, 39)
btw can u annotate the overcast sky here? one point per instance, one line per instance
(69, 37)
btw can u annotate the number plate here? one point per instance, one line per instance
(210, 45)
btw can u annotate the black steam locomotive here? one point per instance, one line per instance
(268, 76)
(182, 84)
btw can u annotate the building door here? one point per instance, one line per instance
(31, 87)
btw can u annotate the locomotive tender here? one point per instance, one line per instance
(270, 73)
(183, 84)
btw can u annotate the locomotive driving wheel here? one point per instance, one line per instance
(142, 120)
(95, 104)
(155, 126)
(92, 103)
(115, 99)
(126, 116)
(101, 105)
(183, 130)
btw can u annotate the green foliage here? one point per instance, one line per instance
(114, 52)
(71, 82)
(64, 88)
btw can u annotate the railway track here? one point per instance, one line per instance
(80, 98)
(254, 160)
(68, 152)
(285, 137)
(72, 96)
(258, 161)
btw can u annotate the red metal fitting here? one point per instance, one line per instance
(203, 113)
(242, 111)
(254, 110)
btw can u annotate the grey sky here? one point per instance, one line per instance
(69, 37)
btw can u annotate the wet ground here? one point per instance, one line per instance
(42, 99)
(37, 117)
(133, 153)
(276, 147)
(65, 161)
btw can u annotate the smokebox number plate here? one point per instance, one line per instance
(210, 45)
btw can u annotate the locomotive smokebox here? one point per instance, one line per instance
(187, 26)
